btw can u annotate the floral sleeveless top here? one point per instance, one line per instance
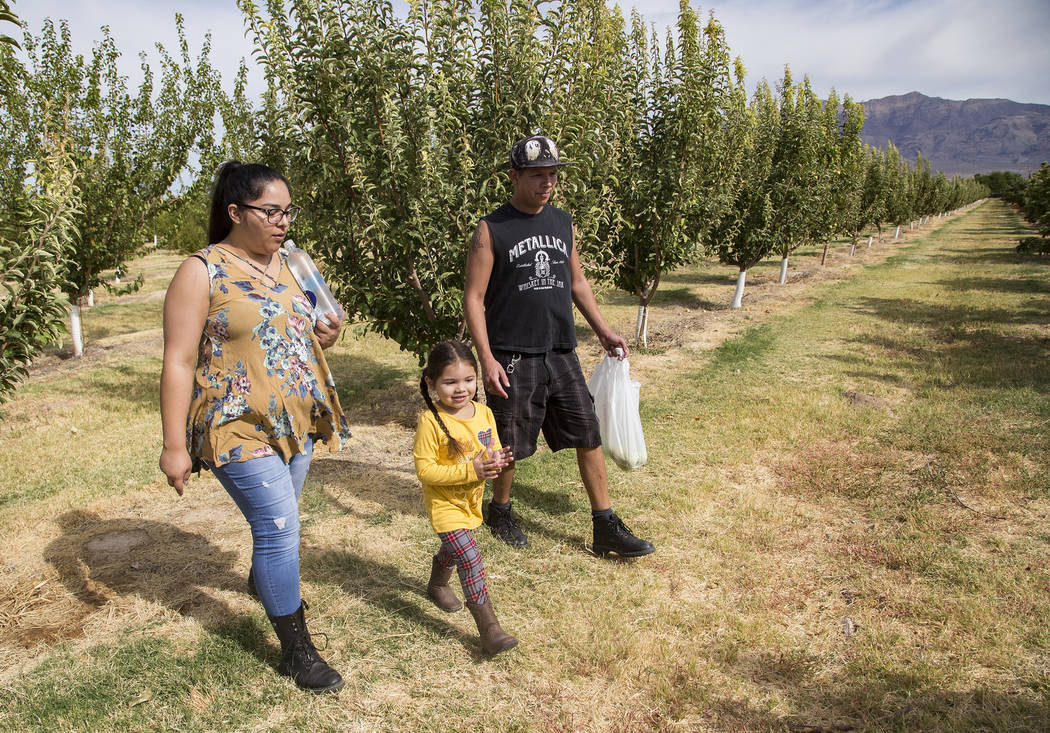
(261, 385)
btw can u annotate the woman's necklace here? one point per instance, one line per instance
(260, 270)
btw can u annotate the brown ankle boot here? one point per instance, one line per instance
(493, 638)
(438, 590)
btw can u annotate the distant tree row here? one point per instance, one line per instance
(1031, 195)
(394, 132)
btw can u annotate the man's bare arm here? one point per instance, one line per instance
(479, 270)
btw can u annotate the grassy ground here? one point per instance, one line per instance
(848, 487)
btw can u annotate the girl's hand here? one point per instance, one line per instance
(505, 455)
(176, 465)
(488, 465)
(328, 334)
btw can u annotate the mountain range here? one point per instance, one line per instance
(961, 137)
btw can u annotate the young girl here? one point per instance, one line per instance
(456, 449)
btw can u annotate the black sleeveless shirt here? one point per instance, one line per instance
(528, 303)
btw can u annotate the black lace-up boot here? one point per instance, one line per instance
(612, 535)
(505, 527)
(299, 657)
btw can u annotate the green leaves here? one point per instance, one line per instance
(35, 235)
(1037, 200)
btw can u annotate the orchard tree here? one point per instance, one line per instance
(7, 15)
(743, 233)
(685, 160)
(36, 224)
(251, 132)
(381, 152)
(795, 178)
(592, 120)
(399, 131)
(1037, 200)
(127, 149)
(848, 177)
(898, 204)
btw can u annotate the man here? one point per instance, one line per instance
(523, 276)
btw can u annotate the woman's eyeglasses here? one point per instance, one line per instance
(275, 215)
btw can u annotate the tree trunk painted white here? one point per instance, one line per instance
(641, 326)
(898, 232)
(783, 271)
(739, 295)
(91, 299)
(75, 331)
(870, 238)
(154, 240)
(116, 279)
(852, 248)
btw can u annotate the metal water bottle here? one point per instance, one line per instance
(309, 278)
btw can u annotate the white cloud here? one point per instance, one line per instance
(956, 49)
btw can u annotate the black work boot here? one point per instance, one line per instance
(505, 527)
(252, 590)
(438, 590)
(299, 657)
(612, 535)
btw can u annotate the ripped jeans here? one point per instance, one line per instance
(267, 490)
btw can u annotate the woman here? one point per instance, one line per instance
(245, 390)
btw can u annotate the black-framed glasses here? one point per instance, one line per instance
(274, 215)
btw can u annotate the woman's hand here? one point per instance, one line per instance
(328, 333)
(176, 465)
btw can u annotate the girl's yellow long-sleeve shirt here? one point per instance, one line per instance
(452, 491)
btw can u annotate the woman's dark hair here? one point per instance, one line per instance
(445, 353)
(236, 182)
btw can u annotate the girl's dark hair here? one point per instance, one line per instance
(236, 182)
(445, 353)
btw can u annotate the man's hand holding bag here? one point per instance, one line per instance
(616, 398)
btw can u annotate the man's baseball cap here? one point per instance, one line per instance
(537, 151)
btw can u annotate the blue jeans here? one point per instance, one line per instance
(267, 490)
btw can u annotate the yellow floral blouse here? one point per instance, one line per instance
(261, 385)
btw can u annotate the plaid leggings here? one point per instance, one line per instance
(458, 548)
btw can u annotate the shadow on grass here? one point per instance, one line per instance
(997, 284)
(384, 587)
(98, 559)
(965, 359)
(906, 310)
(395, 491)
(880, 700)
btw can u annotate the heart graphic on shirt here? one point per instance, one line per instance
(485, 437)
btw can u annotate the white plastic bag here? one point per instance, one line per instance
(616, 403)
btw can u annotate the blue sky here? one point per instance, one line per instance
(956, 49)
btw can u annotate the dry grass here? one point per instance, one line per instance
(847, 486)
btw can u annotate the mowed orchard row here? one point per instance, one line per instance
(847, 486)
